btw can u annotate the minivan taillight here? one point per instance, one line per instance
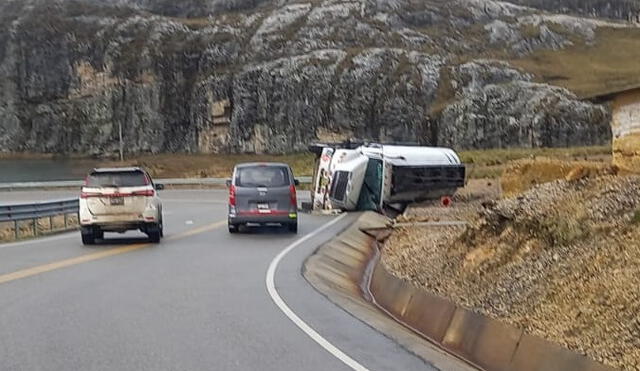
(294, 198)
(232, 195)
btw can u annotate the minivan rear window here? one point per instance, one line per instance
(262, 176)
(117, 179)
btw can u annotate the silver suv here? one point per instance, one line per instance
(117, 200)
(262, 193)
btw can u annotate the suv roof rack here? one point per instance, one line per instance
(115, 169)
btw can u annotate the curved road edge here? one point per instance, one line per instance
(336, 270)
(282, 305)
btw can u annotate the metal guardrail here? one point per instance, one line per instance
(13, 212)
(169, 182)
(33, 211)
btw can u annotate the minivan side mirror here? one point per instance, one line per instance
(228, 182)
(296, 182)
(159, 187)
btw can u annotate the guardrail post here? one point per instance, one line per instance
(19, 214)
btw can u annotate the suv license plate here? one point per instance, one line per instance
(117, 201)
(264, 208)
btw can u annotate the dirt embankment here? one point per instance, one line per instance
(523, 175)
(561, 260)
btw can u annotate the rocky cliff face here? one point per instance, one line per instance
(616, 9)
(500, 107)
(271, 76)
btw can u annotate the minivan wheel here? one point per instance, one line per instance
(293, 227)
(98, 234)
(154, 233)
(88, 237)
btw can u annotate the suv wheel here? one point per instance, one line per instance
(98, 234)
(293, 227)
(155, 233)
(88, 236)
(233, 228)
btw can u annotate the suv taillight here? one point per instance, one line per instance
(146, 193)
(232, 195)
(84, 194)
(292, 194)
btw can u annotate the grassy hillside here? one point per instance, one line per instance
(610, 63)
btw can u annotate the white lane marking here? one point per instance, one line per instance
(189, 222)
(63, 236)
(271, 288)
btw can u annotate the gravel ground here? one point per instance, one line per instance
(561, 261)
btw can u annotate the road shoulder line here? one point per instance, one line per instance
(277, 299)
(38, 240)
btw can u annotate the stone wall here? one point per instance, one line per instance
(625, 126)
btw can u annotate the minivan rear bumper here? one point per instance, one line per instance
(259, 218)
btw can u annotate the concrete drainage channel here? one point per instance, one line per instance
(349, 272)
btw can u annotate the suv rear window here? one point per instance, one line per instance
(262, 176)
(117, 179)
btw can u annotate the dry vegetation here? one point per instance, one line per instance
(491, 163)
(522, 175)
(202, 166)
(482, 163)
(609, 63)
(606, 64)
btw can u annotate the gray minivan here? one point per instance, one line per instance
(262, 193)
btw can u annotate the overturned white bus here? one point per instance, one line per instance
(381, 177)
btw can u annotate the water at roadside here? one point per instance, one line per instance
(32, 170)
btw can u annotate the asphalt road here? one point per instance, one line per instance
(197, 301)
